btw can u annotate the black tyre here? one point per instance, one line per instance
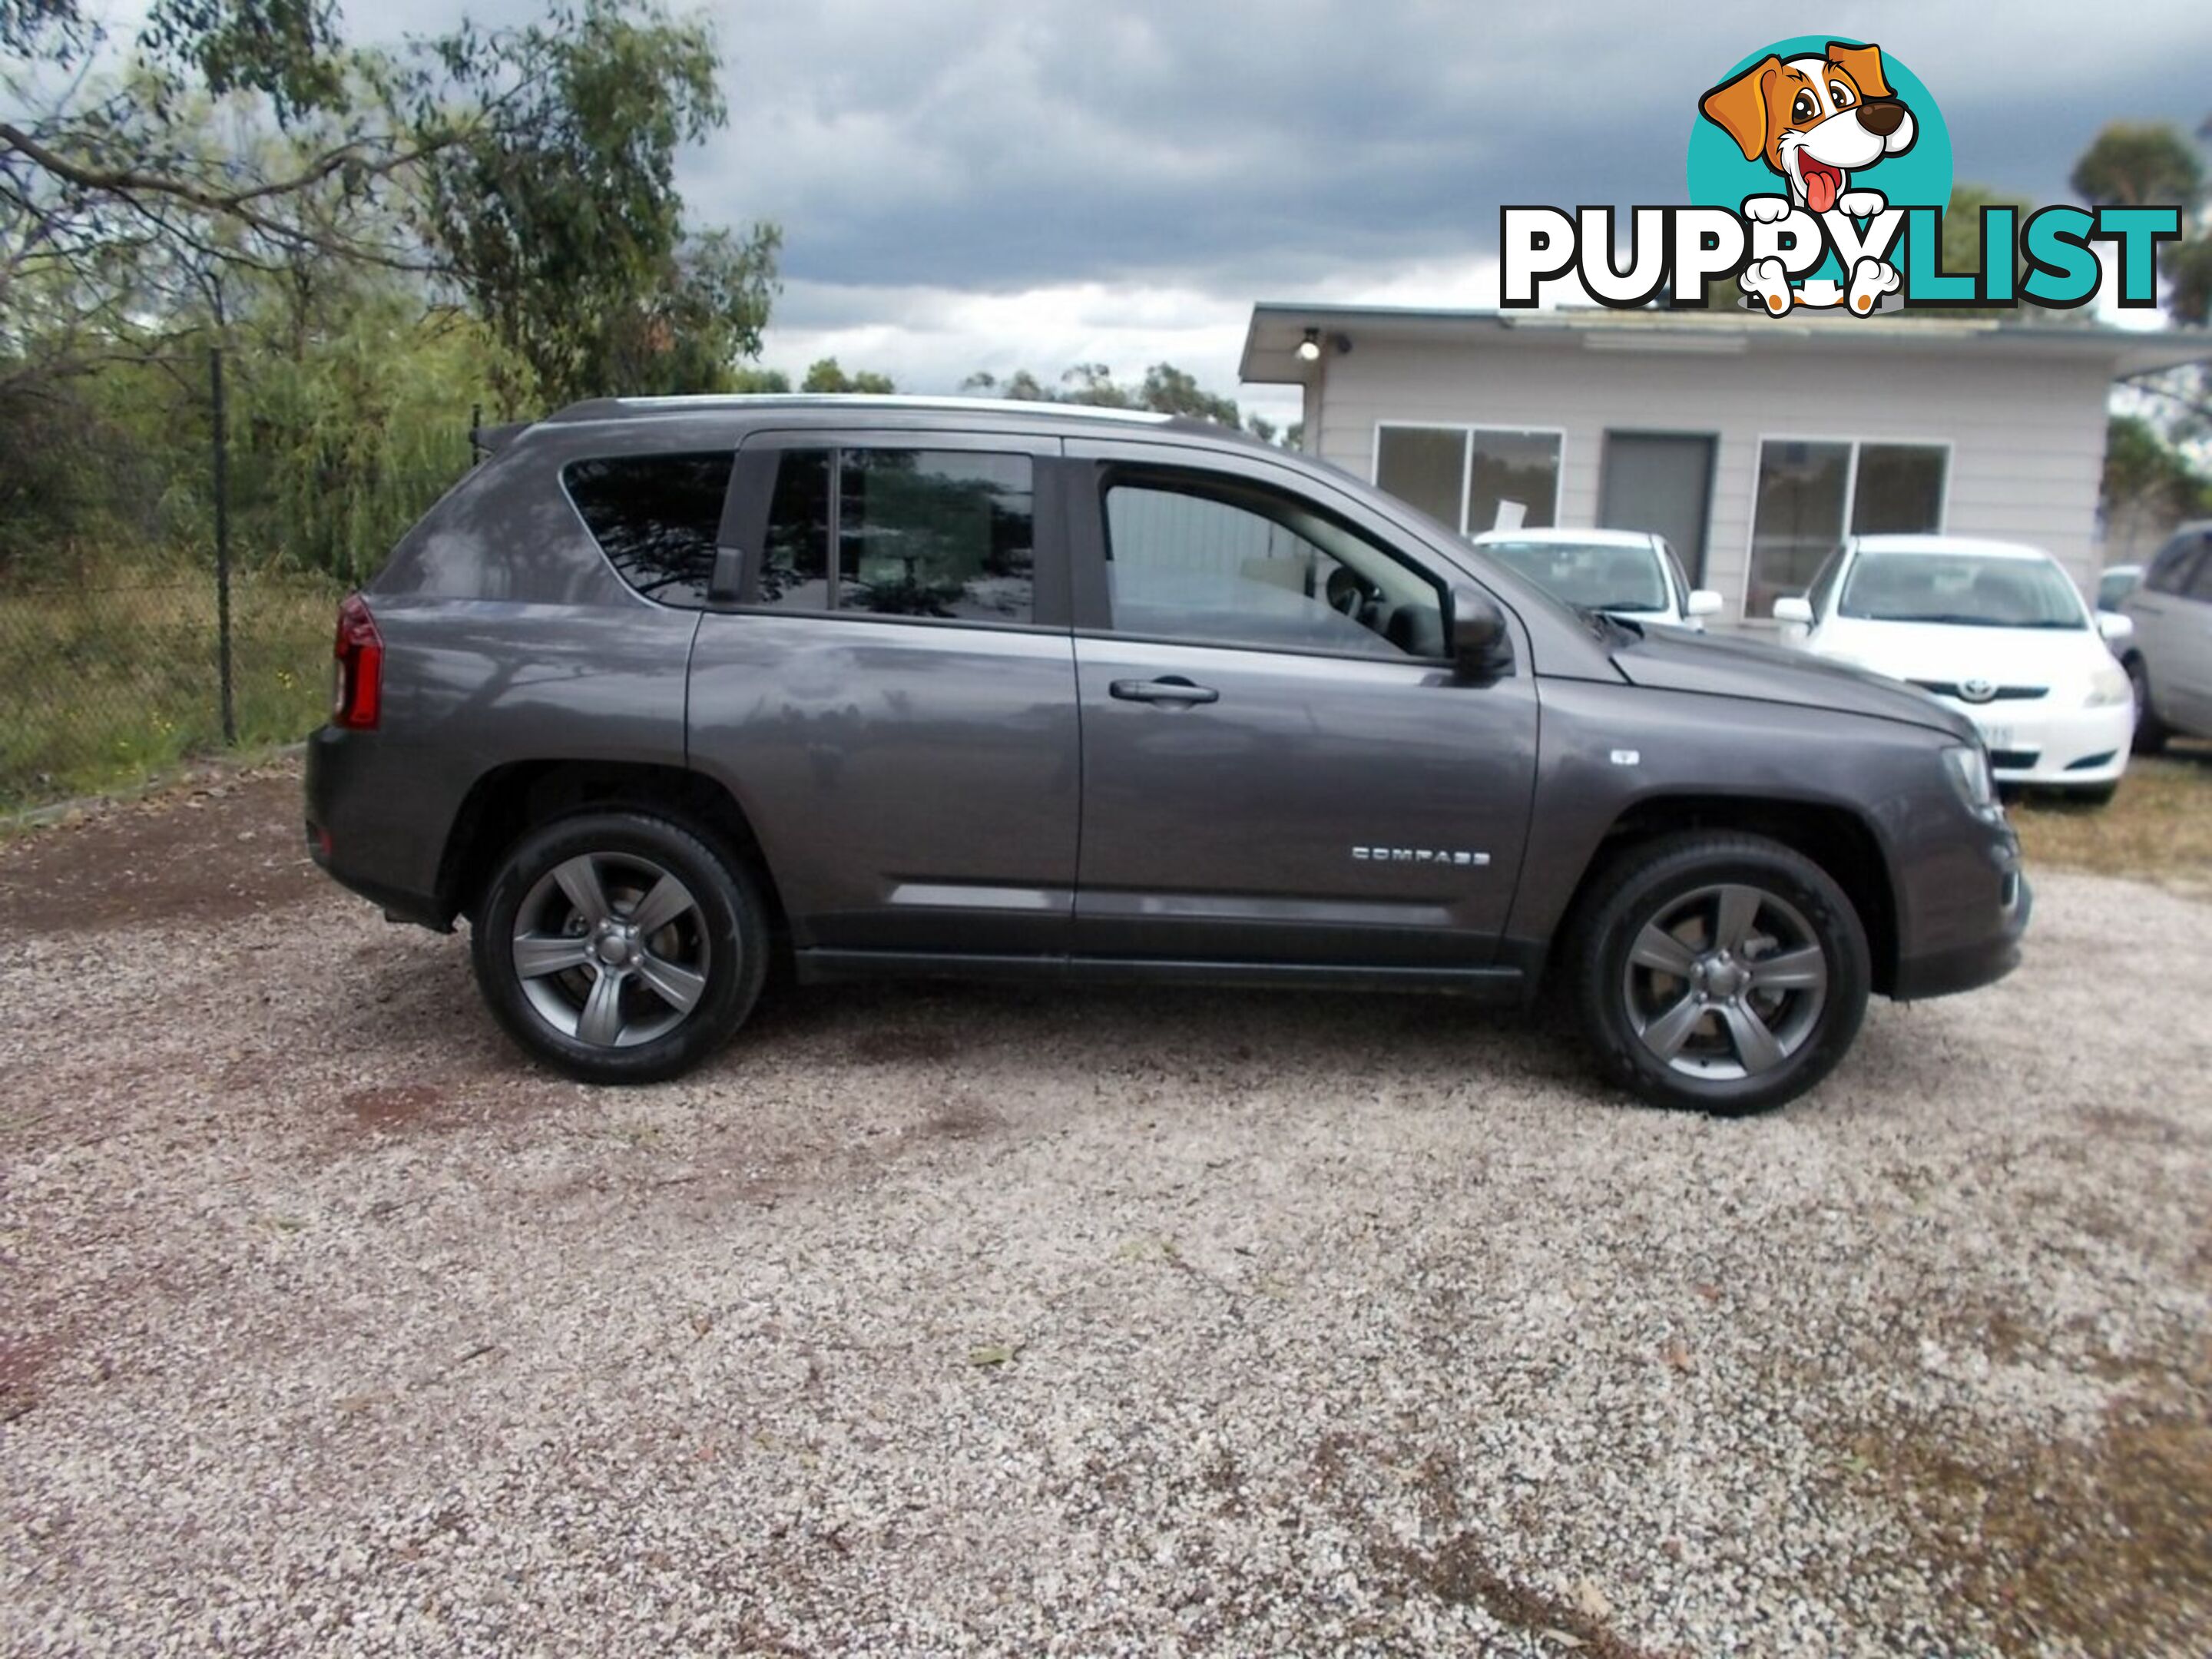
(2150, 731)
(620, 947)
(1721, 972)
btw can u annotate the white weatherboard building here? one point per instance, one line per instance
(1753, 444)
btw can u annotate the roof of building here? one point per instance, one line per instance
(1278, 328)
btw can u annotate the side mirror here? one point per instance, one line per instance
(2116, 626)
(1704, 602)
(1793, 609)
(1481, 644)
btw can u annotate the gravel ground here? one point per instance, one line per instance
(980, 1319)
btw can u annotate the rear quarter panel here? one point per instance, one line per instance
(507, 638)
(472, 685)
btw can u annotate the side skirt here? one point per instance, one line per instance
(838, 967)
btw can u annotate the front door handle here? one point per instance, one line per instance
(1169, 688)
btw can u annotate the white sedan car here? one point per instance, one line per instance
(1624, 572)
(1994, 629)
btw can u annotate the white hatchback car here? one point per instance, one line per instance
(1996, 629)
(1623, 573)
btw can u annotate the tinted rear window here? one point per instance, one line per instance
(657, 517)
(947, 534)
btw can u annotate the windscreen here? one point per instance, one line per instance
(1962, 589)
(1596, 576)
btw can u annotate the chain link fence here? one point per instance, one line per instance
(170, 614)
(106, 680)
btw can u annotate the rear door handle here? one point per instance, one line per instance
(1169, 688)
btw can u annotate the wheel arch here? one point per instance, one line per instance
(510, 799)
(1835, 837)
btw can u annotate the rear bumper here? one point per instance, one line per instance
(349, 835)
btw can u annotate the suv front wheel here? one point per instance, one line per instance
(1724, 972)
(619, 946)
(2150, 731)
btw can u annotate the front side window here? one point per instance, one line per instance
(1962, 589)
(657, 517)
(1681, 583)
(1211, 560)
(1465, 477)
(1811, 492)
(1824, 584)
(941, 534)
(1596, 576)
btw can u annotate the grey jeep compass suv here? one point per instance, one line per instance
(892, 686)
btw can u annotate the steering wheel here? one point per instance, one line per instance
(1346, 592)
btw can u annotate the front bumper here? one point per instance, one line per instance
(2031, 743)
(1983, 962)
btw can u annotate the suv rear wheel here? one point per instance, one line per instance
(1724, 972)
(619, 946)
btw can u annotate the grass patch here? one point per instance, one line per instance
(106, 685)
(2158, 827)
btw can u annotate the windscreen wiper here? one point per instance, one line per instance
(1605, 625)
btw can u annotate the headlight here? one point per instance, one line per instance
(2108, 687)
(1970, 771)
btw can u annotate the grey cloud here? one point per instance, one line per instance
(1249, 149)
(1241, 149)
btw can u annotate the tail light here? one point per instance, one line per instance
(357, 689)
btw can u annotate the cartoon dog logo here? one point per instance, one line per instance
(1815, 121)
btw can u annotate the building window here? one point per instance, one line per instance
(1899, 489)
(1811, 493)
(1426, 466)
(1463, 475)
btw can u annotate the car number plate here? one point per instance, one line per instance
(1996, 737)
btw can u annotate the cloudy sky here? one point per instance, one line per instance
(999, 183)
(995, 184)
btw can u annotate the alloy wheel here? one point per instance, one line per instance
(611, 949)
(1725, 982)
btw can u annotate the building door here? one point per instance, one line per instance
(1661, 482)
